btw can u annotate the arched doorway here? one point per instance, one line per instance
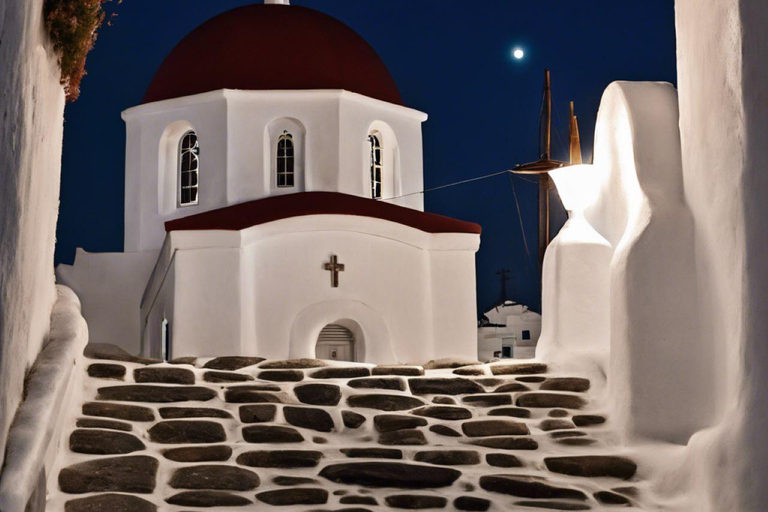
(335, 342)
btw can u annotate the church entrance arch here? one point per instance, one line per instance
(336, 343)
(369, 333)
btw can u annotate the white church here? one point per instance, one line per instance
(273, 207)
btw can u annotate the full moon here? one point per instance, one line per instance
(518, 53)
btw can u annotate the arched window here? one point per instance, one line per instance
(189, 166)
(376, 165)
(285, 160)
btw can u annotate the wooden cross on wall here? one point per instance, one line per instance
(334, 267)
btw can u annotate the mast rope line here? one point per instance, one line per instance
(528, 260)
(462, 182)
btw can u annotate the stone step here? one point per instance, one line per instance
(593, 466)
(390, 474)
(129, 474)
(393, 436)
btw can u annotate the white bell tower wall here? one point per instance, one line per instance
(238, 133)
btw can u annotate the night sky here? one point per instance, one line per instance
(451, 59)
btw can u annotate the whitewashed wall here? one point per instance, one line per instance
(263, 291)
(234, 130)
(723, 72)
(660, 367)
(110, 287)
(31, 109)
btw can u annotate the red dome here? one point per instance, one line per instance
(272, 47)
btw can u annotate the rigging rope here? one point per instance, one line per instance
(447, 185)
(520, 218)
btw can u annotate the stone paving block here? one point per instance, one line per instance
(104, 442)
(486, 428)
(518, 369)
(405, 371)
(384, 402)
(208, 499)
(285, 459)
(164, 375)
(106, 424)
(528, 487)
(271, 434)
(309, 417)
(472, 504)
(573, 384)
(444, 430)
(225, 377)
(344, 372)
(443, 412)
(216, 453)
(187, 432)
(174, 413)
(352, 419)
(119, 411)
(217, 477)
(392, 383)
(392, 422)
(415, 501)
(231, 363)
(550, 400)
(391, 474)
(155, 394)
(487, 400)
(588, 420)
(129, 474)
(507, 443)
(404, 437)
(260, 413)
(611, 498)
(295, 496)
(318, 394)
(444, 386)
(372, 453)
(593, 466)
(106, 371)
(448, 457)
(110, 503)
(293, 364)
(281, 375)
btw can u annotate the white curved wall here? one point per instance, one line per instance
(576, 307)
(661, 367)
(235, 132)
(722, 71)
(30, 165)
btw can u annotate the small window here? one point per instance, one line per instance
(376, 165)
(285, 160)
(526, 335)
(506, 352)
(189, 166)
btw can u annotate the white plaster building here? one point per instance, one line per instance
(509, 330)
(279, 194)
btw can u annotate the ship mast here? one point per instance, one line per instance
(545, 163)
(542, 166)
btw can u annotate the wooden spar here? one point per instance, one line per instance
(542, 168)
(547, 116)
(544, 179)
(575, 140)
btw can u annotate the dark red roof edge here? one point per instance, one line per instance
(262, 211)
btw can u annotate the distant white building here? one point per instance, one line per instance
(276, 190)
(509, 330)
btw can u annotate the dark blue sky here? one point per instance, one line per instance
(449, 58)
